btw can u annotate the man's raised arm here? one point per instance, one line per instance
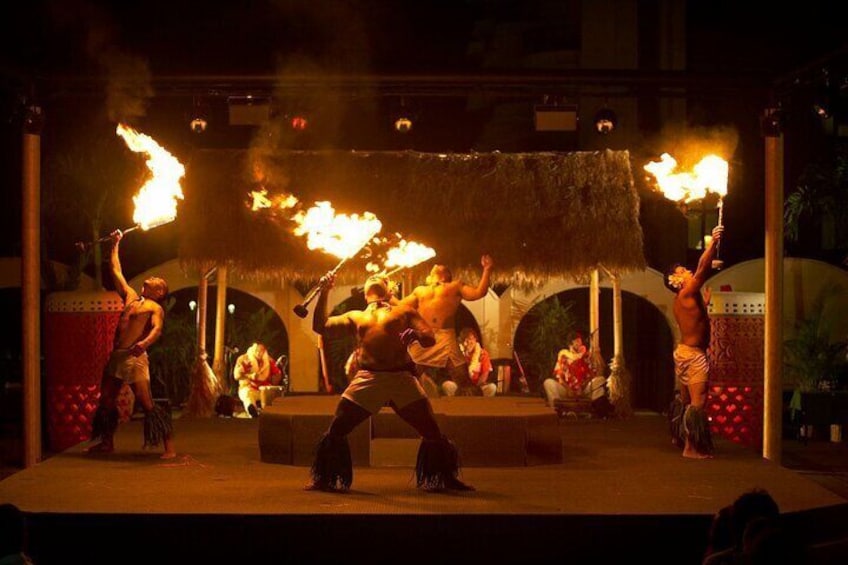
(470, 293)
(121, 285)
(328, 326)
(705, 262)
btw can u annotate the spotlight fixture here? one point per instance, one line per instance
(403, 124)
(299, 122)
(605, 121)
(199, 116)
(403, 117)
(822, 100)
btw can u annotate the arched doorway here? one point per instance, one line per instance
(248, 320)
(648, 343)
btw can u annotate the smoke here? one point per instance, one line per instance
(688, 145)
(127, 76)
(318, 40)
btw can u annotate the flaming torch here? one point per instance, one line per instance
(709, 175)
(156, 201)
(338, 234)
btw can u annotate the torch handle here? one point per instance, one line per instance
(720, 222)
(300, 309)
(717, 263)
(84, 245)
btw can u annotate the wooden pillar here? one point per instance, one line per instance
(219, 365)
(595, 310)
(31, 285)
(202, 312)
(617, 322)
(773, 352)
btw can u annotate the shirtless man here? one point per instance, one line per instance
(385, 376)
(139, 327)
(437, 301)
(691, 367)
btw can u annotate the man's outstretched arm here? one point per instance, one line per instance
(470, 293)
(705, 262)
(328, 326)
(121, 285)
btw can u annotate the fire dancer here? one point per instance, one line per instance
(386, 376)
(139, 327)
(437, 301)
(691, 366)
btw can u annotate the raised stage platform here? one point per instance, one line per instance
(621, 492)
(507, 431)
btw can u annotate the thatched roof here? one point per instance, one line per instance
(536, 214)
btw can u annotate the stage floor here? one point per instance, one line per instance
(610, 468)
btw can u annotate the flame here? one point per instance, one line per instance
(709, 175)
(156, 201)
(338, 234)
(261, 200)
(408, 254)
(342, 235)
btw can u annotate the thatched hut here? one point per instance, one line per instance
(538, 214)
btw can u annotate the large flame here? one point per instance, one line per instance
(408, 254)
(342, 235)
(338, 234)
(156, 201)
(709, 175)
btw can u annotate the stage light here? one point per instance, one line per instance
(199, 116)
(605, 121)
(403, 124)
(299, 122)
(822, 99)
(404, 116)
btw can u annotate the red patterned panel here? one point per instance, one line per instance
(736, 349)
(70, 409)
(735, 404)
(736, 413)
(76, 346)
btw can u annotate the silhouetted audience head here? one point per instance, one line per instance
(767, 542)
(12, 530)
(721, 534)
(756, 503)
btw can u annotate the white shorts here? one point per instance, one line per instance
(372, 389)
(690, 365)
(445, 349)
(127, 367)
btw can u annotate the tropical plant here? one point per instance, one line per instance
(173, 356)
(812, 357)
(549, 323)
(821, 198)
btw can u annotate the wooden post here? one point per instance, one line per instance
(202, 305)
(617, 322)
(31, 285)
(773, 352)
(219, 365)
(595, 310)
